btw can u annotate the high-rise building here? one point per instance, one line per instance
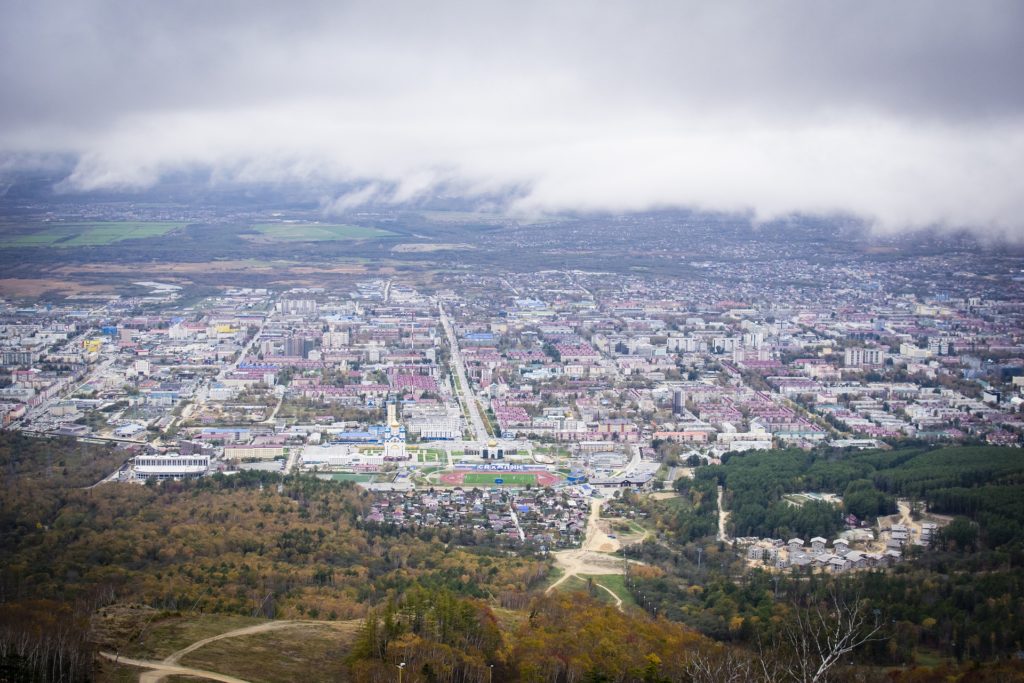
(293, 346)
(297, 306)
(856, 356)
(678, 401)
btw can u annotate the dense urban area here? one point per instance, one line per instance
(509, 427)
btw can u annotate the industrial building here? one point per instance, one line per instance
(170, 466)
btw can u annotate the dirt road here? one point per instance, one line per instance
(903, 517)
(616, 598)
(597, 539)
(593, 557)
(573, 562)
(247, 631)
(169, 665)
(723, 517)
(158, 670)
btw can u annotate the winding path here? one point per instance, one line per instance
(158, 670)
(169, 665)
(593, 557)
(618, 600)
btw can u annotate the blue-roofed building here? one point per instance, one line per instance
(355, 437)
(479, 338)
(163, 397)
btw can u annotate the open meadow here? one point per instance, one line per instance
(316, 232)
(65, 235)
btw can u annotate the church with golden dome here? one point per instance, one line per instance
(394, 436)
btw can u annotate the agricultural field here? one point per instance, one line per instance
(64, 235)
(316, 232)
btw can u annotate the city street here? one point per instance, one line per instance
(462, 387)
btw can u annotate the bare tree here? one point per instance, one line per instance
(722, 665)
(808, 646)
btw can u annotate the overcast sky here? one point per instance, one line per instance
(906, 113)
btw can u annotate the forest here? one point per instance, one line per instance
(963, 598)
(455, 607)
(982, 484)
(221, 544)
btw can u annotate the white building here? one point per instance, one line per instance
(170, 466)
(339, 455)
(297, 306)
(434, 423)
(912, 352)
(758, 438)
(129, 430)
(856, 357)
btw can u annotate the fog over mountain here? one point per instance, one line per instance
(908, 114)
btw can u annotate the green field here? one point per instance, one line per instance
(515, 479)
(63, 235)
(317, 232)
(430, 455)
(352, 476)
(616, 583)
(612, 582)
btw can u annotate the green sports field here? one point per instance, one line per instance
(317, 232)
(64, 235)
(352, 476)
(511, 478)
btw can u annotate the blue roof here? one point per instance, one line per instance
(353, 436)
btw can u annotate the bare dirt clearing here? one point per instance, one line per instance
(427, 248)
(33, 287)
(593, 557)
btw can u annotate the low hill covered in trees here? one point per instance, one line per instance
(454, 607)
(983, 484)
(963, 598)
